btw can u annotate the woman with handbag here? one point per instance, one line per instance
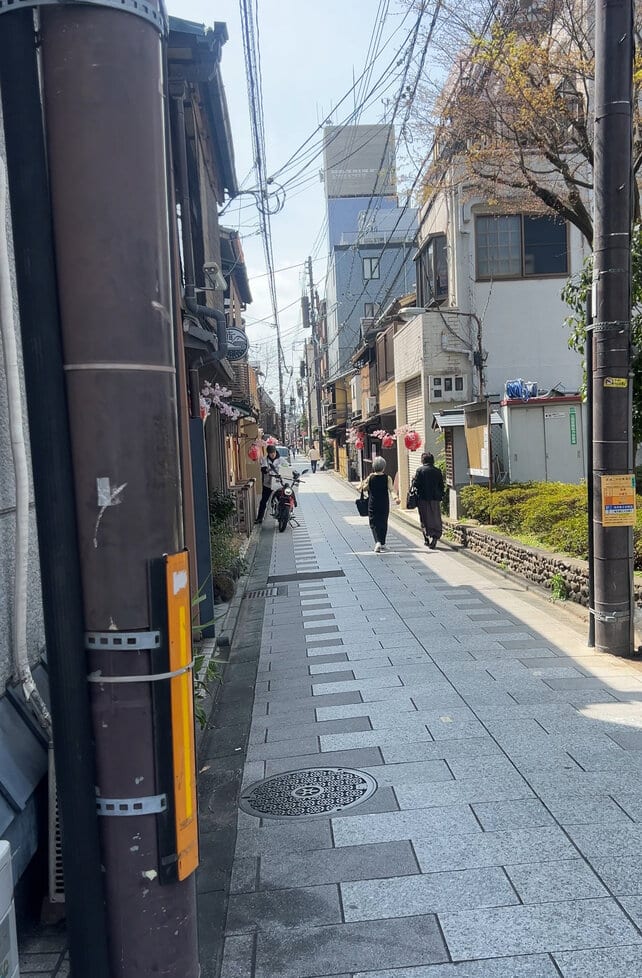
(429, 486)
(379, 487)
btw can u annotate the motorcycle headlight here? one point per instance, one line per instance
(288, 492)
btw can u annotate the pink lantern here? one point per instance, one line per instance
(412, 441)
(387, 441)
(254, 453)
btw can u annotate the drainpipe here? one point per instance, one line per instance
(208, 312)
(21, 472)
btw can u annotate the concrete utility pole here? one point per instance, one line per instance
(314, 322)
(611, 329)
(103, 91)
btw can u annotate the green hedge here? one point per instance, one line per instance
(554, 513)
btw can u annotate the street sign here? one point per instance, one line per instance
(618, 500)
(237, 343)
(573, 424)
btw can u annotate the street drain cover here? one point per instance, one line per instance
(313, 791)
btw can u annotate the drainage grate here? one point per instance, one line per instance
(266, 592)
(312, 791)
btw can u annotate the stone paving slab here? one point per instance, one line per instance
(307, 952)
(532, 966)
(430, 893)
(567, 925)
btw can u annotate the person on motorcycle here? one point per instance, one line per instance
(269, 468)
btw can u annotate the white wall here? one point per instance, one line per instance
(523, 330)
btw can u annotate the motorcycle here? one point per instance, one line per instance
(284, 499)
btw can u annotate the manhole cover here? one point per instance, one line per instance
(313, 791)
(266, 592)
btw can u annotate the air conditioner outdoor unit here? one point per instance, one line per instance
(371, 405)
(8, 937)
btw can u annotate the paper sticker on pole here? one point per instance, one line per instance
(179, 623)
(618, 500)
(620, 382)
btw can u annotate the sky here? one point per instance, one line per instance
(308, 51)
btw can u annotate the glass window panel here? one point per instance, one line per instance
(498, 241)
(545, 246)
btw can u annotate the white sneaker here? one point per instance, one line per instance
(377, 548)
(383, 547)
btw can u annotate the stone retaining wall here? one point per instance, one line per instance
(538, 566)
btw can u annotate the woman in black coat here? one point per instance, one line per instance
(429, 483)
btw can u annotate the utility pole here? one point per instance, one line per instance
(610, 331)
(281, 391)
(104, 98)
(314, 322)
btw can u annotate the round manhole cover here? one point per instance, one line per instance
(313, 791)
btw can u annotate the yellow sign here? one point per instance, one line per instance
(618, 500)
(616, 382)
(179, 619)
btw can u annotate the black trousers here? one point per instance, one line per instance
(313, 464)
(378, 519)
(267, 492)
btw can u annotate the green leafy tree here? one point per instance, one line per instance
(575, 294)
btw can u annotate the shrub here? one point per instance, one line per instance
(475, 503)
(570, 536)
(222, 506)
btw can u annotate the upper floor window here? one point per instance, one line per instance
(370, 310)
(520, 246)
(370, 268)
(432, 272)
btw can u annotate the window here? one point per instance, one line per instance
(520, 245)
(432, 272)
(370, 310)
(370, 268)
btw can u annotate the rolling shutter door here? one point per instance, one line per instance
(415, 418)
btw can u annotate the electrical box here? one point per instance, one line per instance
(8, 936)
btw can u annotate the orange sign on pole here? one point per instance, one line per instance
(179, 622)
(618, 500)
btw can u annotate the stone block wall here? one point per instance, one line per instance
(537, 566)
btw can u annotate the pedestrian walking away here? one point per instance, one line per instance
(269, 469)
(429, 483)
(314, 457)
(380, 488)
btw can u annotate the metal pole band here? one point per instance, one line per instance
(612, 616)
(151, 805)
(137, 7)
(121, 641)
(618, 325)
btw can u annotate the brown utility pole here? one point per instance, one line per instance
(103, 84)
(611, 329)
(314, 322)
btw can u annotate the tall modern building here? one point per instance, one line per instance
(370, 238)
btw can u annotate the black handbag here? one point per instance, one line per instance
(412, 499)
(362, 504)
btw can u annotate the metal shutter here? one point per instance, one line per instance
(415, 418)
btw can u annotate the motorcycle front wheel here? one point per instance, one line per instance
(284, 519)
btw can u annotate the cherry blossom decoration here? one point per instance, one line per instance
(411, 438)
(215, 396)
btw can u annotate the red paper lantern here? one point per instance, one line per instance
(271, 440)
(254, 453)
(412, 441)
(387, 441)
(359, 444)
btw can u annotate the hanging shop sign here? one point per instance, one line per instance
(618, 500)
(237, 343)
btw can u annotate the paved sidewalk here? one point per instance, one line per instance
(504, 837)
